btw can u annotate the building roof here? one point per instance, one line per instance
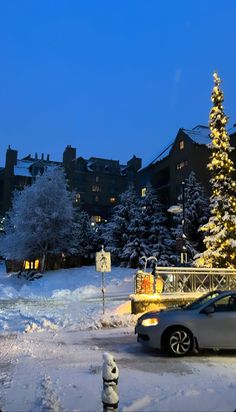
(199, 134)
(23, 167)
(232, 130)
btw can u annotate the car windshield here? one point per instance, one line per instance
(202, 300)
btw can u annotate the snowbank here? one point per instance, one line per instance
(64, 298)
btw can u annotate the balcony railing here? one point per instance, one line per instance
(187, 279)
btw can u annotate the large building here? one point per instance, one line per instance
(188, 152)
(96, 183)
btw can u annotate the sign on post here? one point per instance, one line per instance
(103, 264)
(103, 261)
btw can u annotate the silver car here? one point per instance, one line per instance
(208, 322)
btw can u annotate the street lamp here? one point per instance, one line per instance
(176, 209)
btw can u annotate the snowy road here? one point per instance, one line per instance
(56, 365)
(55, 371)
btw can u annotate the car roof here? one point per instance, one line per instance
(226, 292)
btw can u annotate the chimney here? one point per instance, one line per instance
(48, 158)
(42, 156)
(11, 160)
(69, 155)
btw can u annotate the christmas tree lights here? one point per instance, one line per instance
(220, 239)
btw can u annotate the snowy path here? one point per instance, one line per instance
(56, 366)
(62, 371)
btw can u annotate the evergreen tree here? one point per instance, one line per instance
(220, 240)
(139, 227)
(137, 244)
(196, 215)
(155, 230)
(40, 221)
(83, 236)
(116, 233)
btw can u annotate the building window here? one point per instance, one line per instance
(95, 220)
(96, 198)
(181, 165)
(77, 198)
(31, 264)
(96, 189)
(143, 191)
(97, 179)
(181, 144)
(112, 200)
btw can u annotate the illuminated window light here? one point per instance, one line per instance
(77, 198)
(181, 145)
(143, 191)
(181, 165)
(96, 189)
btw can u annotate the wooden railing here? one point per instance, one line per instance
(188, 279)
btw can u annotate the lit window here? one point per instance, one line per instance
(143, 191)
(96, 189)
(97, 179)
(31, 264)
(112, 200)
(77, 197)
(181, 165)
(96, 219)
(181, 145)
(96, 198)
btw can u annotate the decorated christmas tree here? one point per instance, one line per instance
(220, 239)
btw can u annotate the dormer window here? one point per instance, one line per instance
(181, 144)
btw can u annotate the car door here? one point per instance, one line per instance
(218, 329)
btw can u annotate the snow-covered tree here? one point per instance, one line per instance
(116, 233)
(155, 231)
(41, 219)
(137, 243)
(139, 227)
(220, 240)
(83, 236)
(196, 215)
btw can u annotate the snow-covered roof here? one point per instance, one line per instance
(232, 130)
(22, 168)
(199, 134)
(163, 154)
(159, 157)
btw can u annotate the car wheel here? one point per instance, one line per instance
(179, 342)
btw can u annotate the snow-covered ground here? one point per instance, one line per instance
(56, 365)
(63, 298)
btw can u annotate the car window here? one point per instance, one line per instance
(226, 304)
(202, 300)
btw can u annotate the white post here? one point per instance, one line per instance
(110, 375)
(103, 293)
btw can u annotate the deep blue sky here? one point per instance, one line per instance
(112, 78)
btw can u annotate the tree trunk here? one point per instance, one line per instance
(43, 262)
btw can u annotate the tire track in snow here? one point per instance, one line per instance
(6, 365)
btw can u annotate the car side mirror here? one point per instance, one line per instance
(208, 310)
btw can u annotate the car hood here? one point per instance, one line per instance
(162, 313)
